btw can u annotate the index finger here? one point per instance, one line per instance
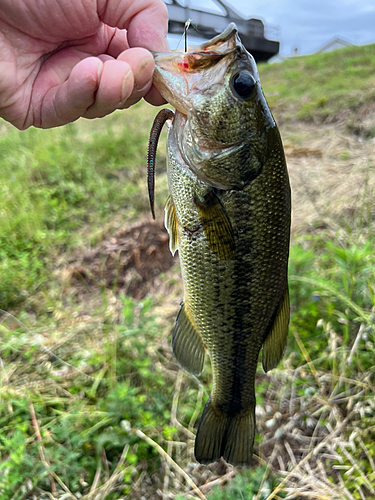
(146, 21)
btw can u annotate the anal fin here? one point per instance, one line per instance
(275, 342)
(187, 345)
(170, 223)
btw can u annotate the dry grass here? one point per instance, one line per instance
(331, 173)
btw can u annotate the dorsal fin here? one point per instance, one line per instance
(275, 342)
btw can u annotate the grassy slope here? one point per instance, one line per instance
(111, 369)
(333, 87)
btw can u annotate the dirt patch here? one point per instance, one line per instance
(130, 261)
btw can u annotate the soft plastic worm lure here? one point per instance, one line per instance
(160, 119)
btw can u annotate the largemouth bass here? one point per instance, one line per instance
(228, 215)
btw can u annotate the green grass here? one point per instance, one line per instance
(90, 414)
(92, 389)
(91, 400)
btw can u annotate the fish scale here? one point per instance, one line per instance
(229, 217)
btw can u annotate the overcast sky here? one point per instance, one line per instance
(308, 24)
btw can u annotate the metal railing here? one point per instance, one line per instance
(252, 31)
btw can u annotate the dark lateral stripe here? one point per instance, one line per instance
(242, 269)
(235, 400)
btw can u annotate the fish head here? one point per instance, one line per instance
(222, 124)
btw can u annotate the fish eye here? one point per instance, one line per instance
(243, 84)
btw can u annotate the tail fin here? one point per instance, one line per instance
(225, 436)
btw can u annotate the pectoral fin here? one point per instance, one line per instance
(216, 226)
(170, 223)
(275, 342)
(187, 345)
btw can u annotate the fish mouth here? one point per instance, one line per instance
(221, 45)
(180, 75)
(182, 78)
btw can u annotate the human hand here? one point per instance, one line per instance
(62, 59)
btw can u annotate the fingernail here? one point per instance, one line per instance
(127, 87)
(100, 69)
(166, 47)
(144, 72)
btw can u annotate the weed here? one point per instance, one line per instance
(256, 483)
